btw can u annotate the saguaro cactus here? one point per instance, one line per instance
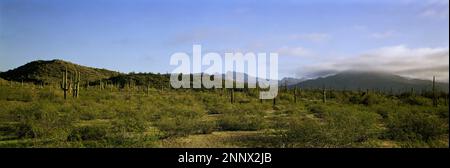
(65, 84)
(232, 100)
(434, 92)
(76, 82)
(324, 93)
(295, 94)
(285, 86)
(274, 102)
(148, 89)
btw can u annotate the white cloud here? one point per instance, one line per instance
(421, 63)
(293, 51)
(314, 37)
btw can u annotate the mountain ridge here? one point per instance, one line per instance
(49, 71)
(351, 80)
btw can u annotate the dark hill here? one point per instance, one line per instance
(51, 72)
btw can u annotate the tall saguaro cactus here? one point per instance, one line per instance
(285, 86)
(434, 92)
(65, 84)
(232, 100)
(148, 89)
(295, 94)
(274, 102)
(76, 82)
(324, 94)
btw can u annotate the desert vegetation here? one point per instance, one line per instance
(141, 111)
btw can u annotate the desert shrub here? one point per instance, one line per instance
(48, 94)
(442, 112)
(179, 126)
(42, 120)
(250, 109)
(383, 110)
(181, 120)
(367, 99)
(286, 96)
(129, 121)
(24, 130)
(355, 99)
(180, 110)
(412, 125)
(292, 110)
(14, 94)
(417, 100)
(84, 115)
(130, 140)
(243, 117)
(232, 122)
(218, 107)
(422, 144)
(372, 99)
(86, 133)
(340, 128)
(317, 109)
(304, 133)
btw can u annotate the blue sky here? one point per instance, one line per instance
(312, 37)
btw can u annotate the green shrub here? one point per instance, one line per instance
(219, 107)
(42, 120)
(383, 110)
(85, 133)
(372, 99)
(17, 94)
(24, 130)
(443, 112)
(244, 117)
(235, 122)
(181, 120)
(417, 100)
(411, 125)
(49, 95)
(180, 126)
(129, 121)
(340, 128)
(367, 99)
(318, 110)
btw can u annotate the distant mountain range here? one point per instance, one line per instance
(50, 72)
(290, 81)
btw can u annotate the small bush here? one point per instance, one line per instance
(219, 108)
(129, 121)
(367, 99)
(86, 133)
(42, 120)
(317, 110)
(413, 125)
(341, 128)
(179, 126)
(417, 100)
(24, 130)
(232, 122)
